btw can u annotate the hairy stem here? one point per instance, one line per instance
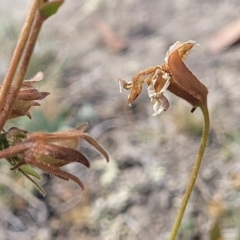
(22, 41)
(194, 173)
(7, 108)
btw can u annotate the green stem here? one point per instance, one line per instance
(194, 173)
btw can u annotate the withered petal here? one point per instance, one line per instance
(91, 141)
(54, 171)
(68, 134)
(28, 114)
(36, 104)
(136, 89)
(17, 113)
(183, 49)
(160, 104)
(183, 83)
(31, 94)
(67, 154)
(123, 84)
(38, 77)
(64, 135)
(82, 127)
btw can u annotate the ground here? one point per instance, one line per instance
(82, 51)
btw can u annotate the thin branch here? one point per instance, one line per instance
(17, 53)
(10, 99)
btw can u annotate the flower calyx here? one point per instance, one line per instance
(47, 151)
(172, 75)
(27, 97)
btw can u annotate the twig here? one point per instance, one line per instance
(7, 82)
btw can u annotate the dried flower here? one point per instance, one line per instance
(48, 151)
(173, 75)
(27, 97)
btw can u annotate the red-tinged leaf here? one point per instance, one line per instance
(50, 8)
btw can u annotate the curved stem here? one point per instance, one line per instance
(194, 173)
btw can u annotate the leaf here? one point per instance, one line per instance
(30, 171)
(215, 232)
(40, 189)
(50, 8)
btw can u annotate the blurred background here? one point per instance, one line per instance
(82, 51)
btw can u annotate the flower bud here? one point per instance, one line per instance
(183, 83)
(46, 151)
(173, 75)
(27, 97)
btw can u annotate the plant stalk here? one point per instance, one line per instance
(17, 54)
(194, 173)
(10, 99)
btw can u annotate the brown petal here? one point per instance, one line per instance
(17, 113)
(183, 49)
(82, 127)
(63, 136)
(59, 152)
(91, 141)
(183, 83)
(31, 94)
(136, 89)
(54, 171)
(36, 104)
(123, 84)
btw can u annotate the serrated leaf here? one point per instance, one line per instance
(50, 8)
